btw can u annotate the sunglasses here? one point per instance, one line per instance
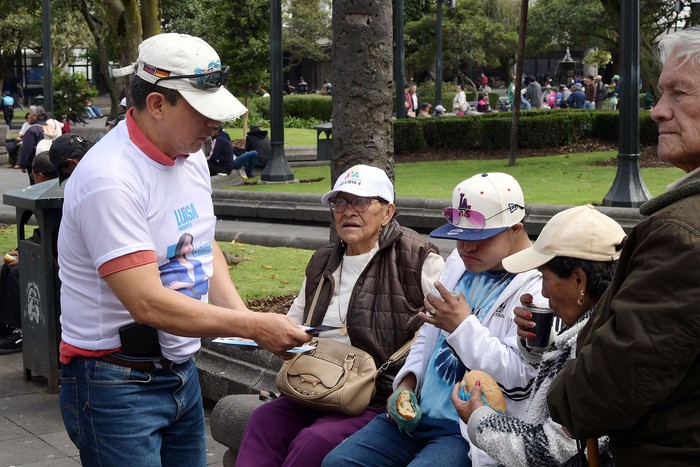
(203, 81)
(476, 219)
(359, 204)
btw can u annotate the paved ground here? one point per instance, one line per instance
(31, 429)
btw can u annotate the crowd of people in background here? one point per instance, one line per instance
(588, 92)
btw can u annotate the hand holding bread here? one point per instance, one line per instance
(403, 409)
(476, 390)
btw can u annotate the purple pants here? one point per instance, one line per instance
(284, 433)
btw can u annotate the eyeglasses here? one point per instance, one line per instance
(203, 81)
(474, 218)
(359, 204)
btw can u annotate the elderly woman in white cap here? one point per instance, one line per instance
(576, 253)
(369, 285)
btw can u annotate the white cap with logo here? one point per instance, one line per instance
(192, 67)
(482, 206)
(363, 180)
(581, 232)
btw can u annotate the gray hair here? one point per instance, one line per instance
(684, 44)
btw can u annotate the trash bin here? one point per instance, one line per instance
(323, 146)
(38, 277)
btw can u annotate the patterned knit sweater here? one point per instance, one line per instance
(534, 440)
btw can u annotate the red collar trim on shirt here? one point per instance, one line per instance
(144, 144)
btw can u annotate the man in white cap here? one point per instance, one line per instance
(469, 329)
(138, 214)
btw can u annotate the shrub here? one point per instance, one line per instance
(313, 107)
(492, 131)
(70, 92)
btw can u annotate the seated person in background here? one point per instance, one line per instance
(222, 159)
(66, 152)
(576, 254)
(302, 86)
(372, 281)
(470, 330)
(424, 110)
(326, 88)
(257, 140)
(92, 110)
(10, 311)
(42, 168)
(482, 105)
(288, 87)
(439, 110)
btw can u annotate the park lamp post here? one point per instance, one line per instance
(438, 55)
(277, 168)
(628, 188)
(46, 55)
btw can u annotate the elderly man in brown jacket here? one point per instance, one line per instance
(636, 376)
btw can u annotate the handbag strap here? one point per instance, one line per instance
(398, 354)
(395, 356)
(313, 302)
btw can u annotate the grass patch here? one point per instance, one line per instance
(563, 179)
(267, 271)
(292, 136)
(264, 271)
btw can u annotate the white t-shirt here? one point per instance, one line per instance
(120, 201)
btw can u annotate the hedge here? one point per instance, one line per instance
(307, 107)
(538, 129)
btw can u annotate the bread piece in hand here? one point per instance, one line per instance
(489, 388)
(404, 406)
(9, 258)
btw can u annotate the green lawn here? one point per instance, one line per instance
(292, 136)
(567, 179)
(264, 271)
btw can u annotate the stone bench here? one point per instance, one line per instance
(228, 421)
(234, 378)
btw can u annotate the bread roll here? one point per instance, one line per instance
(489, 387)
(9, 258)
(404, 406)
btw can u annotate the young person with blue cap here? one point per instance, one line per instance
(472, 329)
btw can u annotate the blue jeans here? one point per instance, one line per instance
(433, 443)
(247, 160)
(117, 416)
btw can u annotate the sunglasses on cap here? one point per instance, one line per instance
(203, 81)
(476, 219)
(359, 204)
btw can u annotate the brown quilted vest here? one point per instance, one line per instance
(383, 309)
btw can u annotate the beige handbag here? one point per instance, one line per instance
(335, 377)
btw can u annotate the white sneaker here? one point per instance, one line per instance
(244, 176)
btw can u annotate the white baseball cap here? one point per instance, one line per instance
(175, 61)
(581, 232)
(363, 180)
(482, 206)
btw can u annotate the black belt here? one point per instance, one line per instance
(143, 365)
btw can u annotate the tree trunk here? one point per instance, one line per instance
(150, 18)
(515, 124)
(99, 30)
(362, 80)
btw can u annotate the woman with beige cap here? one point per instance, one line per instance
(576, 254)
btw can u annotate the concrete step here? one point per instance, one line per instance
(225, 369)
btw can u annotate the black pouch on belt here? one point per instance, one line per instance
(139, 340)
